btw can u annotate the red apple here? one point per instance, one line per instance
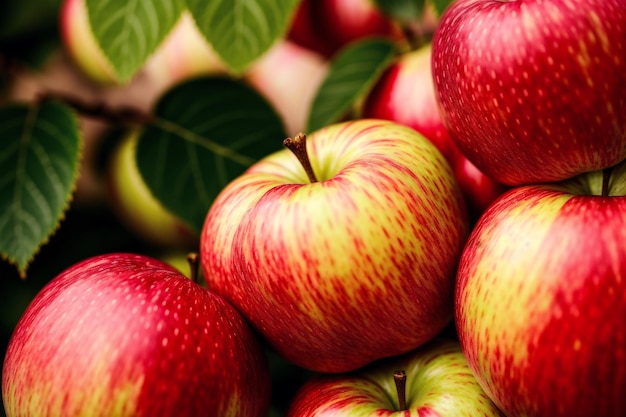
(127, 335)
(357, 266)
(541, 299)
(326, 26)
(305, 31)
(433, 380)
(405, 93)
(533, 91)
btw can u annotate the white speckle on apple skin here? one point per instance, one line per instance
(123, 355)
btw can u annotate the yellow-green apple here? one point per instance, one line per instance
(432, 381)
(183, 54)
(134, 204)
(405, 93)
(326, 26)
(288, 76)
(127, 335)
(540, 306)
(345, 253)
(533, 91)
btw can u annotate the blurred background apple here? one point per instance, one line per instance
(289, 75)
(134, 204)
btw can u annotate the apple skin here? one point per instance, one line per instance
(136, 207)
(81, 44)
(338, 273)
(438, 384)
(288, 76)
(183, 54)
(405, 93)
(326, 26)
(534, 91)
(304, 30)
(127, 335)
(540, 306)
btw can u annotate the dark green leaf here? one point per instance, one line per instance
(39, 163)
(242, 30)
(129, 31)
(441, 5)
(208, 131)
(351, 74)
(402, 10)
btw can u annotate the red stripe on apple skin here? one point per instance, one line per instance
(554, 342)
(96, 350)
(287, 257)
(534, 91)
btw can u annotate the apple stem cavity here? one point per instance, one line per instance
(297, 145)
(192, 260)
(399, 378)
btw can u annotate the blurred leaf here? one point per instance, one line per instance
(207, 132)
(129, 31)
(441, 5)
(352, 73)
(242, 30)
(39, 164)
(402, 10)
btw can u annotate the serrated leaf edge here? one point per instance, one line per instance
(23, 269)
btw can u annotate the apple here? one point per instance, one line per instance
(533, 91)
(136, 207)
(540, 306)
(433, 380)
(183, 54)
(288, 76)
(326, 26)
(305, 30)
(405, 93)
(126, 335)
(81, 44)
(345, 252)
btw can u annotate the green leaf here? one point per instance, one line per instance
(129, 31)
(402, 10)
(240, 31)
(207, 132)
(39, 163)
(352, 73)
(441, 5)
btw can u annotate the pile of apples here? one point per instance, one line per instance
(456, 248)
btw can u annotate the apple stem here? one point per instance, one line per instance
(297, 145)
(399, 378)
(192, 260)
(606, 176)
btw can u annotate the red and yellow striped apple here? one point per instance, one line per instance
(357, 266)
(432, 381)
(533, 91)
(405, 93)
(541, 298)
(127, 335)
